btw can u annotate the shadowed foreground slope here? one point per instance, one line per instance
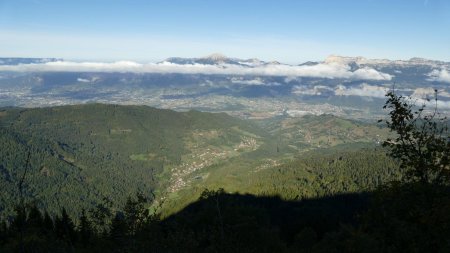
(399, 218)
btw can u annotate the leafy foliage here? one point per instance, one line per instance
(422, 143)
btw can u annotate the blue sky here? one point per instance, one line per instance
(288, 31)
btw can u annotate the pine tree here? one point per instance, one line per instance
(64, 227)
(119, 230)
(47, 225)
(85, 229)
(3, 232)
(135, 212)
(34, 219)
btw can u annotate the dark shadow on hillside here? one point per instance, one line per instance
(248, 220)
(400, 217)
(410, 217)
(319, 213)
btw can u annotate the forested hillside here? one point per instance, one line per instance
(83, 154)
(91, 154)
(222, 185)
(315, 174)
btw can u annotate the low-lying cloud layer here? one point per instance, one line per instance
(362, 90)
(418, 96)
(323, 70)
(442, 75)
(431, 104)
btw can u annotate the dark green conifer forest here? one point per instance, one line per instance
(86, 190)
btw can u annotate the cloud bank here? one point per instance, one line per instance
(363, 90)
(316, 90)
(430, 104)
(442, 75)
(418, 96)
(323, 70)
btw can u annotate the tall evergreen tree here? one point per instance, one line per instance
(64, 227)
(85, 229)
(119, 230)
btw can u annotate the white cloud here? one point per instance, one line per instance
(256, 81)
(289, 79)
(363, 90)
(426, 96)
(423, 93)
(370, 74)
(442, 75)
(82, 80)
(443, 93)
(330, 71)
(314, 91)
(430, 104)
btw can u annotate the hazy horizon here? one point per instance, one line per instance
(286, 31)
(157, 60)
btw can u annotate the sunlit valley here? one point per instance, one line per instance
(303, 149)
(349, 87)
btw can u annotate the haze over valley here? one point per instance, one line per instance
(351, 87)
(224, 126)
(296, 109)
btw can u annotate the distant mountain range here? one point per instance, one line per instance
(346, 86)
(220, 59)
(361, 61)
(17, 61)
